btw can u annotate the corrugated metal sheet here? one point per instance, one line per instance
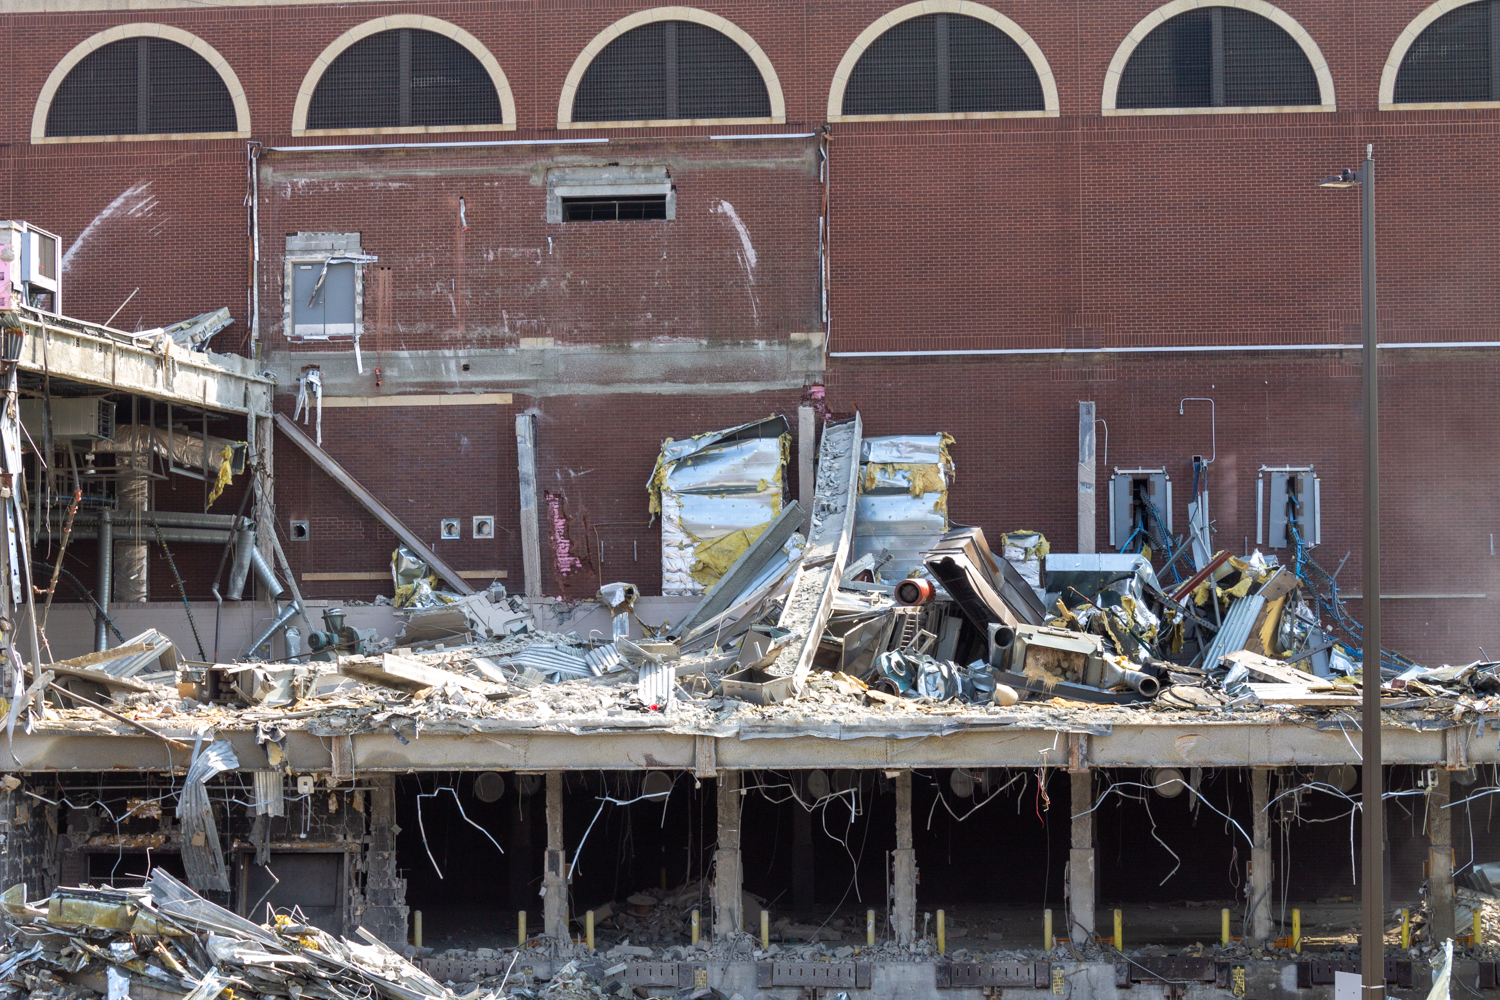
(549, 659)
(1235, 631)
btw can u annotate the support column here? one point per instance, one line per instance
(1440, 859)
(385, 910)
(1258, 916)
(519, 851)
(802, 858)
(904, 868)
(531, 525)
(729, 876)
(555, 875)
(104, 577)
(1086, 519)
(1081, 886)
(807, 454)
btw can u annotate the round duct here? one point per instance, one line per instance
(913, 592)
(817, 785)
(489, 786)
(1168, 782)
(962, 783)
(657, 785)
(528, 784)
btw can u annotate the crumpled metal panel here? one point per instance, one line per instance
(202, 856)
(708, 489)
(886, 516)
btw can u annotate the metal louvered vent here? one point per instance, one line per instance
(671, 71)
(1457, 58)
(942, 64)
(1218, 57)
(141, 86)
(404, 78)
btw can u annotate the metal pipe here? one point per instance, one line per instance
(913, 592)
(221, 522)
(1372, 940)
(1213, 426)
(244, 544)
(281, 622)
(1141, 683)
(106, 568)
(189, 536)
(265, 574)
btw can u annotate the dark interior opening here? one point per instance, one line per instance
(620, 209)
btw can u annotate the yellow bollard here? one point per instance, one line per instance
(1047, 930)
(942, 933)
(1297, 931)
(695, 927)
(765, 929)
(1405, 928)
(1119, 930)
(1478, 928)
(588, 928)
(521, 929)
(870, 928)
(416, 928)
(1224, 927)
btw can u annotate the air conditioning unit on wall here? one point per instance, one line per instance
(87, 418)
(36, 266)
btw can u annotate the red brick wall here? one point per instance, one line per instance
(1036, 234)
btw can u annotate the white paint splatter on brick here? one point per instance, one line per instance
(135, 200)
(746, 254)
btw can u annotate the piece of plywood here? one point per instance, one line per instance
(1273, 671)
(1300, 694)
(403, 674)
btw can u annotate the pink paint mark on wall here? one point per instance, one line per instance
(562, 545)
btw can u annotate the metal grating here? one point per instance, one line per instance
(940, 64)
(1454, 58)
(1217, 57)
(621, 209)
(404, 78)
(141, 86)
(668, 71)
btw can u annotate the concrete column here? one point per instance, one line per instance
(531, 525)
(1258, 918)
(1081, 885)
(555, 875)
(729, 875)
(262, 433)
(1086, 494)
(385, 909)
(1440, 859)
(904, 867)
(802, 858)
(807, 454)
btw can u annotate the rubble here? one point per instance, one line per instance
(166, 940)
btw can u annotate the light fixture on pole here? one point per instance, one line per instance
(1372, 873)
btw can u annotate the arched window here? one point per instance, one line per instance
(942, 64)
(142, 85)
(671, 71)
(1455, 59)
(404, 78)
(1218, 57)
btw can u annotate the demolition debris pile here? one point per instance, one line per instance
(872, 599)
(82, 942)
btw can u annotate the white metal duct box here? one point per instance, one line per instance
(716, 493)
(903, 500)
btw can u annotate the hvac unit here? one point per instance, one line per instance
(86, 418)
(36, 264)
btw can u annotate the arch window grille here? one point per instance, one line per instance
(943, 64)
(141, 86)
(1455, 59)
(1218, 57)
(404, 78)
(671, 71)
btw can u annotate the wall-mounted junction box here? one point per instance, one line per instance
(1133, 493)
(1296, 498)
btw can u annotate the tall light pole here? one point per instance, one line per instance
(1372, 864)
